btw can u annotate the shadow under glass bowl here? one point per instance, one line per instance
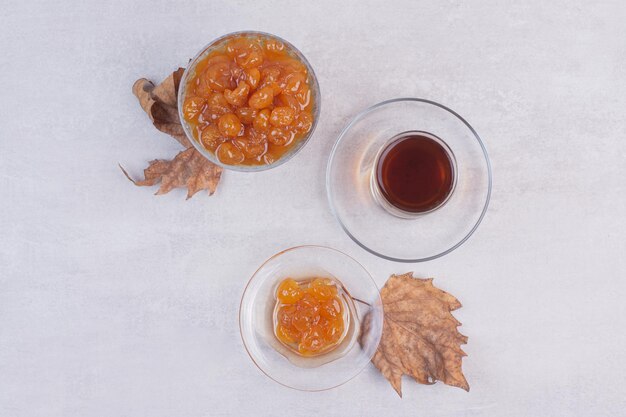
(357, 207)
(256, 320)
(219, 43)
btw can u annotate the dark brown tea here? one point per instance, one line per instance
(415, 173)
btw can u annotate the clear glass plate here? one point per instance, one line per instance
(327, 370)
(367, 222)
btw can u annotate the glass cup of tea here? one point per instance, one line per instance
(413, 174)
(409, 180)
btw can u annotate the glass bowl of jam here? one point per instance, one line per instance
(311, 318)
(409, 180)
(249, 101)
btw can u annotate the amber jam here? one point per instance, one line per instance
(415, 172)
(249, 101)
(311, 316)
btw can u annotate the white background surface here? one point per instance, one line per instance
(115, 302)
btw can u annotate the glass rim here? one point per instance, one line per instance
(248, 168)
(243, 294)
(359, 117)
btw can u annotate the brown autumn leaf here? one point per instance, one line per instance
(189, 168)
(420, 336)
(160, 103)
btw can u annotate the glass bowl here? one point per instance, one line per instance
(219, 43)
(371, 222)
(328, 370)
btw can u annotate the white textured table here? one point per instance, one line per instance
(114, 302)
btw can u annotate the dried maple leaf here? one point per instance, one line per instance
(420, 336)
(189, 168)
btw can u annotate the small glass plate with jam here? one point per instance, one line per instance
(409, 180)
(311, 318)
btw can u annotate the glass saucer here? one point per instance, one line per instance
(372, 225)
(328, 370)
